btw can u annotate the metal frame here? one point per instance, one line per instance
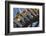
(7, 16)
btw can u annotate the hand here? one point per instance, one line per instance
(34, 12)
